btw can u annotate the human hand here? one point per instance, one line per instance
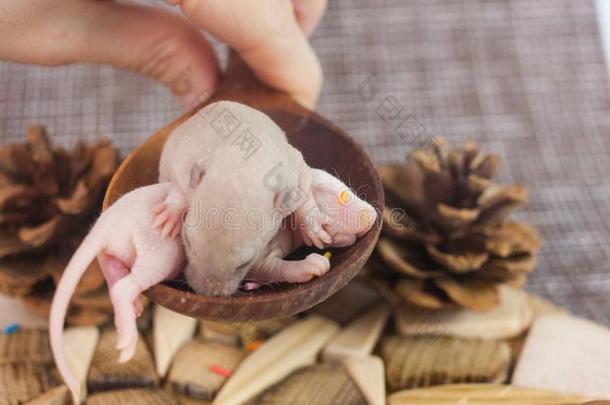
(269, 35)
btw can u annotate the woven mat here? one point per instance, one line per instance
(523, 77)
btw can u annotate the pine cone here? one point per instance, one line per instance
(48, 200)
(446, 238)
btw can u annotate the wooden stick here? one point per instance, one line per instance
(170, 330)
(359, 337)
(295, 347)
(369, 375)
(79, 345)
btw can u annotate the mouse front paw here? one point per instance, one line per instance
(314, 265)
(169, 214)
(312, 224)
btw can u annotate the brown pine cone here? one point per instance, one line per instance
(48, 200)
(446, 238)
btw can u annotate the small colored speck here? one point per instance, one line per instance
(343, 196)
(250, 285)
(220, 370)
(328, 255)
(252, 346)
(12, 328)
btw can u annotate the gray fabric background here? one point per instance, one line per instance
(525, 78)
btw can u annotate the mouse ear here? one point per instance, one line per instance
(196, 175)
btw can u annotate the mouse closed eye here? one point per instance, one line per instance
(245, 264)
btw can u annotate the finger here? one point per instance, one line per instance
(309, 13)
(159, 208)
(146, 40)
(267, 36)
(325, 237)
(176, 230)
(161, 220)
(167, 229)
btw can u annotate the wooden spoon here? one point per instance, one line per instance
(323, 145)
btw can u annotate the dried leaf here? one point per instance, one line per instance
(475, 294)
(513, 265)
(427, 160)
(18, 276)
(412, 292)
(405, 260)
(78, 202)
(498, 201)
(470, 152)
(462, 262)
(511, 238)
(485, 165)
(440, 147)
(41, 235)
(452, 218)
(477, 185)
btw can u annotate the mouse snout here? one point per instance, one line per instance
(209, 285)
(367, 215)
(217, 288)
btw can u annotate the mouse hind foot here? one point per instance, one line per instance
(113, 270)
(291, 271)
(124, 296)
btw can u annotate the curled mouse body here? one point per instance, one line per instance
(133, 257)
(238, 178)
(234, 170)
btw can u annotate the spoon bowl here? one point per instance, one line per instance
(323, 146)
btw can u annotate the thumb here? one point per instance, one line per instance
(146, 40)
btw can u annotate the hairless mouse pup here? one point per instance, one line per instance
(235, 171)
(349, 217)
(133, 256)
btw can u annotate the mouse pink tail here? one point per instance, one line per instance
(77, 266)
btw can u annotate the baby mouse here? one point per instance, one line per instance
(133, 257)
(237, 177)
